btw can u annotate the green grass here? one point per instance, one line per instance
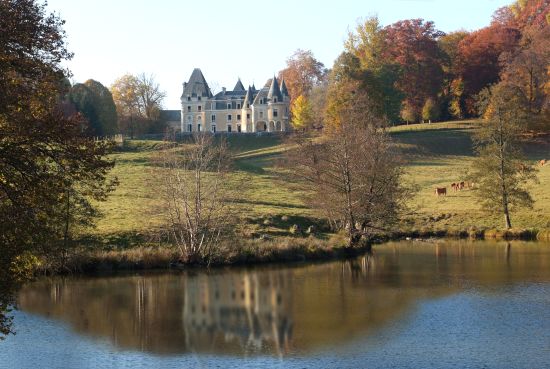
(437, 155)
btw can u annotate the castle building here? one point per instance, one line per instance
(239, 110)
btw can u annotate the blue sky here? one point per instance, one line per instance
(250, 39)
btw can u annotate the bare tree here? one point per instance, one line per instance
(197, 196)
(352, 171)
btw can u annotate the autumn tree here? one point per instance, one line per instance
(452, 92)
(478, 61)
(430, 110)
(42, 151)
(138, 101)
(302, 113)
(525, 70)
(377, 73)
(302, 73)
(352, 172)
(499, 169)
(413, 46)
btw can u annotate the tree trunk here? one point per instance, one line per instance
(507, 222)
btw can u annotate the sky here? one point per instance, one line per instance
(247, 39)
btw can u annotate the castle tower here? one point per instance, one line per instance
(194, 103)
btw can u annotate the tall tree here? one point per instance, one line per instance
(150, 96)
(42, 152)
(478, 60)
(525, 70)
(138, 101)
(302, 73)
(499, 169)
(413, 46)
(378, 73)
(105, 107)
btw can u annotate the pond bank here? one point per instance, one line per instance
(262, 251)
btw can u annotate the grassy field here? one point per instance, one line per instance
(437, 155)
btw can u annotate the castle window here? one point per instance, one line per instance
(229, 117)
(239, 128)
(229, 128)
(275, 99)
(261, 114)
(188, 108)
(189, 128)
(238, 106)
(248, 116)
(275, 113)
(213, 118)
(199, 127)
(247, 105)
(229, 106)
(188, 98)
(261, 101)
(199, 97)
(238, 117)
(213, 128)
(200, 108)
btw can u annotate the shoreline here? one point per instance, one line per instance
(277, 250)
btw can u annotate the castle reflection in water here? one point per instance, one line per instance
(249, 308)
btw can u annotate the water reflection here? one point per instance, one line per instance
(279, 310)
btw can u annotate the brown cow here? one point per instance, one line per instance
(461, 186)
(441, 191)
(454, 186)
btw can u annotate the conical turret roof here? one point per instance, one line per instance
(197, 85)
(274, 90)
(249, 98)
(284, 90)
(239, 86)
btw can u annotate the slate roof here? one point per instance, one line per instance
(170, 115)
(239, 86)
(261, 94)
(274, 90)
(284, 90)
(196, 86)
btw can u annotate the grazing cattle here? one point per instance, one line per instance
(441, 191)
(461, 186)
(543, 162)
(454, 186)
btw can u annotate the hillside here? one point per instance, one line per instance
(436, 156)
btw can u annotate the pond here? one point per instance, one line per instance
(408, 304)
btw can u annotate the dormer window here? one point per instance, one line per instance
(229, 106)
(238, 106)
(274, 99)
(248, 106)
(199, 97)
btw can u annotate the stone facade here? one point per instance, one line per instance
(239, 110)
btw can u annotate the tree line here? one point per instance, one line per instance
(415, 72)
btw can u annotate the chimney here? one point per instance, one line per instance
(223, 89)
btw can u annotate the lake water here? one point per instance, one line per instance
(408, 305)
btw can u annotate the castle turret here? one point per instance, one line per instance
(274, 94)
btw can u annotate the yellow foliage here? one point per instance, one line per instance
(302, 113)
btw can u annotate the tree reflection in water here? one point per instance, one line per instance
(279, 310)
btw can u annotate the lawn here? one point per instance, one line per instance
(436, 155)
